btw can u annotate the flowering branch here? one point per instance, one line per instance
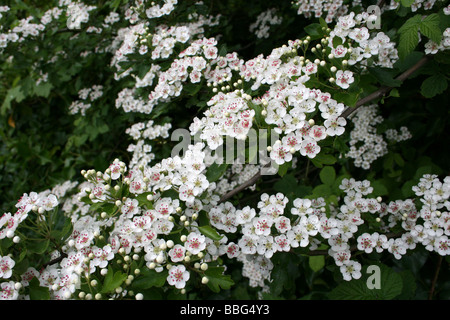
(353, 248)
(384, 89)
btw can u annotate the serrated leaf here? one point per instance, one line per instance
(429, 27)
(12, 94)
(286, 185)
(113, 280)
(217, 279)
(411, 24)
(149, 278)
(282, 170)
(43, 89)
(408, 42)
(434, 85)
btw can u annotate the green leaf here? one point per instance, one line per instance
(379, 189)
(37, 292)
(391, 285)
(215, 171)
(314, 30)
(113, 280)
(322, 190)
(407, 3)
(143, 201)
(385, 76)
(38, 246)
(429, 27)
(43, 89)
(12, 94)
(316, 263)
(284, 168)
(409, 61)
(210, 232)
(412, 24)
(348, 98)
(409, 37)
(434, 85)
(217, 279)
(323, 159)
(327, 175)
(408, 41)
(149, 278)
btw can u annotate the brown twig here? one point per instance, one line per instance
(384, 89)
(59, 259)
(436, 275)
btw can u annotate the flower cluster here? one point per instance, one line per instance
(142, 151)
(228, 115)
(366, 145)
(77, 13)
(432, 47)
(332, 8)
(263, 22)
(86, 96)
(154, 11)
(355, 28)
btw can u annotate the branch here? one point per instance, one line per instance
(436, 274)
(384, 89)
(243, 186)
(347, 112)
(59, 259)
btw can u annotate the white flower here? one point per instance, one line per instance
(344, 78)
(178, 275)
(280, 153)
(195, 243)
(245, 215)
(177, 253)
(351, 270)
(6, 265)
(262, 225)
(309, 148)
(365, 243)
(442, 245)
(302, 207)
(335, 126)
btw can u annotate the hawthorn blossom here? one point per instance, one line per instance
(310, 148)
(177, 253)
(344, 78)
(365, 243)
(178, 276)
(195, 243)
(280, 153)
(351, 270)
(6, 266)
